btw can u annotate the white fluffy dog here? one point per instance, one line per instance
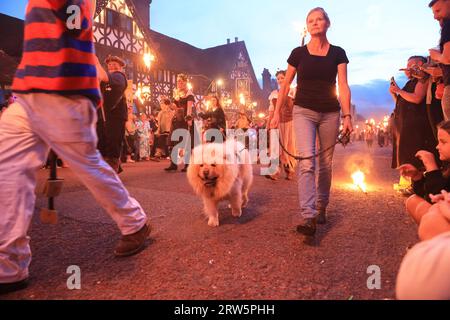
(221, 171)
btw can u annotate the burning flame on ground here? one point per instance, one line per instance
(359, 180)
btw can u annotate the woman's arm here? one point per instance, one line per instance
(93, 7)
(102, 75)
(190, 104)
(417, 96)
(282, 95)
(345, 97)
(271, 111)
(443, 57)
(393, 90)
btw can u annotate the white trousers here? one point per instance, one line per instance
(28, 128)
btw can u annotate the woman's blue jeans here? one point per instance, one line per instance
(315, 131)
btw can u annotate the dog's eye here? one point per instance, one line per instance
(213, 165)
(201, 166)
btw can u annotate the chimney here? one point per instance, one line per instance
(236, 39)
(267, 85)
(143, 10)
(228, 41)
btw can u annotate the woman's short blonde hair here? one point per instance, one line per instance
(324, 13)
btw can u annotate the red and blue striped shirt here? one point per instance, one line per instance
(56, 59)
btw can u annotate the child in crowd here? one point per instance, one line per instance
(143, 130)
(431, 186)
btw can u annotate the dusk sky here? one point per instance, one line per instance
(378, 35)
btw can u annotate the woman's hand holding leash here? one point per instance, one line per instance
(347, 125)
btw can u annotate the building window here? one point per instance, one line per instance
(118, 20)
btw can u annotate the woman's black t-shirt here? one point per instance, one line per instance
(184, 101)
(316, 78)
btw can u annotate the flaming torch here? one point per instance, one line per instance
(304, 34)
(359, 181)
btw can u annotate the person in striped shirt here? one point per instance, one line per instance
(57, 90)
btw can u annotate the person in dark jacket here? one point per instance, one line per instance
(430, 186)
(215, 118)
(178, 122)
(184, 99)
(113, 115)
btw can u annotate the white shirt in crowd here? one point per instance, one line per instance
(425, 271)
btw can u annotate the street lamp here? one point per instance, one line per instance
(148, 59)
(242, 99)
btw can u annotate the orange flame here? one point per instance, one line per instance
(359, 180)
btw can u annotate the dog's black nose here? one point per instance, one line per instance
(206, 173)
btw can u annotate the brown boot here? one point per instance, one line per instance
(133, 243)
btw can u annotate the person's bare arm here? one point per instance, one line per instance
(102, 75)
(443, 57)
(93, 6)
(282, 95)
(345, 97)
(190, 106)
(417, 96)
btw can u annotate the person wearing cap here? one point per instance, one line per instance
(441, 11)
(112, 117)
(57, 90)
